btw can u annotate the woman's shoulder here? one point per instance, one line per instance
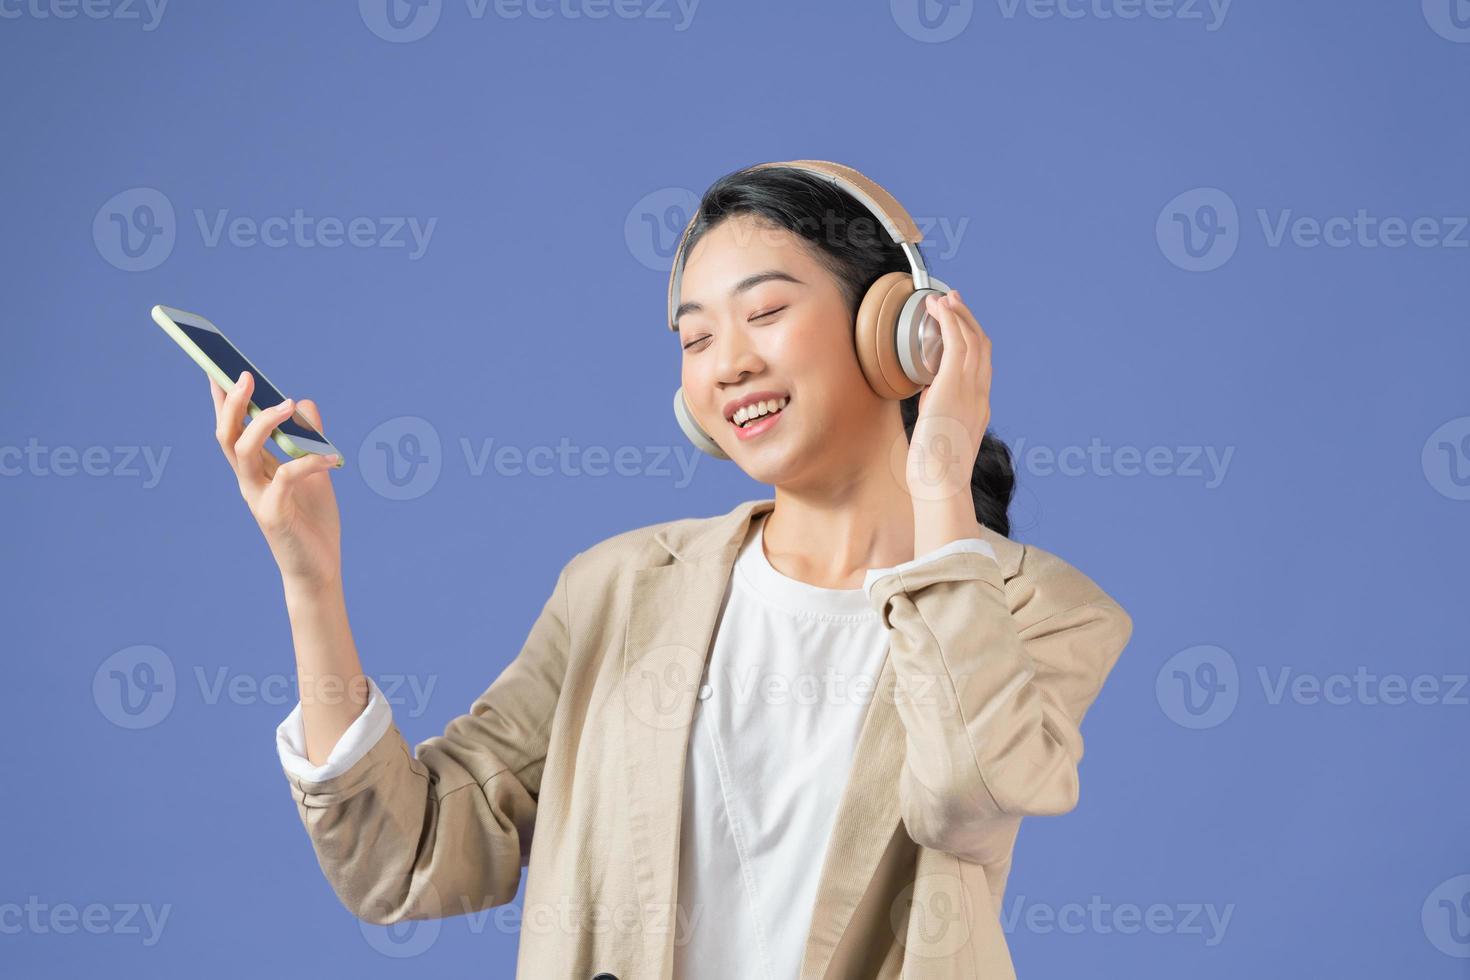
(1041, 583)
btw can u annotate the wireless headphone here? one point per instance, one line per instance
(898, 344)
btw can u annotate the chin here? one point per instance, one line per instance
(770, 468)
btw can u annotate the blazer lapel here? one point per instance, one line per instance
(674, 609)
(867, 816)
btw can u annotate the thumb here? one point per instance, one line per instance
(312, 413)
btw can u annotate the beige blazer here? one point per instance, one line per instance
(573, 760)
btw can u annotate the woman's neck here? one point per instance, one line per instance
(831, 539)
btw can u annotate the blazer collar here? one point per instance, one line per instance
(694, 538)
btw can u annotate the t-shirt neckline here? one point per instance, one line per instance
(793, 596)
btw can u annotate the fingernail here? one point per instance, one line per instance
(285, 405)
(241, 379)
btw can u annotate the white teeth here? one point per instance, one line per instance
(757, 409)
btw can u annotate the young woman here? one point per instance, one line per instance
(792, 740)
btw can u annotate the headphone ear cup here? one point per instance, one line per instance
(691, 428)
(875, 335)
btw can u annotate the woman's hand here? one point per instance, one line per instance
(292, 502)
(954, 411)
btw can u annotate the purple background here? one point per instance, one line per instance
(1329, 541)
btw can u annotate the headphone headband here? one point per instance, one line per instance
(883, 206)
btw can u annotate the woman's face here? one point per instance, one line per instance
(758, 313)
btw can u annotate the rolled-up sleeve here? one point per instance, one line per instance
(992, 699)
(360, 736)
(443, 828)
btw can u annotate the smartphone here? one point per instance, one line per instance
(223, 362)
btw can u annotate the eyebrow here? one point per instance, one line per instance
(749, 282)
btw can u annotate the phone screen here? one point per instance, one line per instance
(232, 362)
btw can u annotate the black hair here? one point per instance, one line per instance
(851, 243)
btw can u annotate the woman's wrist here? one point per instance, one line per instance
(314, 589)
(938, 522)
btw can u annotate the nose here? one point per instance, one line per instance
(736, 356)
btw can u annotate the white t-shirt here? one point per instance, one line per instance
(779, 710)
(780, 706)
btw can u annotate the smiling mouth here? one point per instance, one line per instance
(769, 410)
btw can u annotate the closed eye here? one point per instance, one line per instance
(754, 316)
